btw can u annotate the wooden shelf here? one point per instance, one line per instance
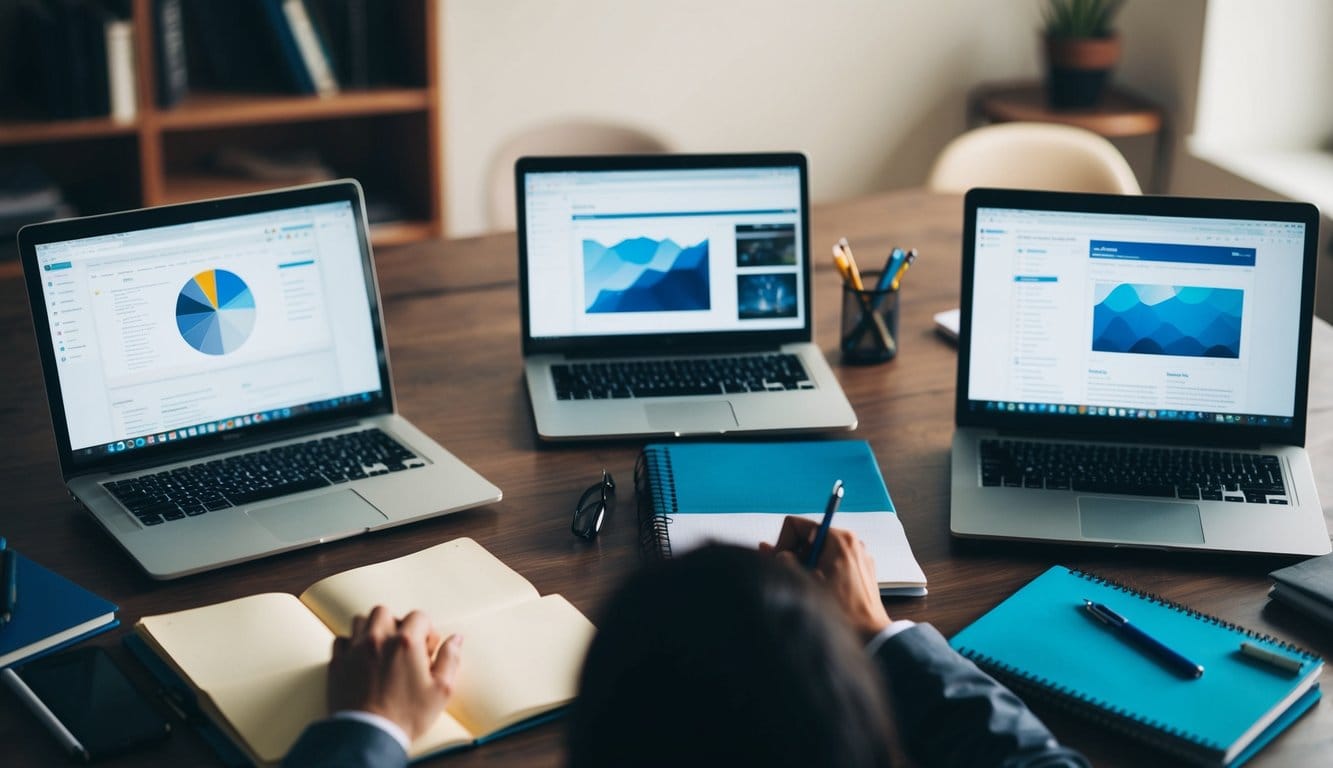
(388, 137)
(43, 131)
(219, 110)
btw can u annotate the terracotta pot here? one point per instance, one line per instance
(1078, 68)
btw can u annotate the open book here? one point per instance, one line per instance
(258, 664)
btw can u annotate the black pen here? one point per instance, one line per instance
(835, 496)
(9, 582)
(1173, 660)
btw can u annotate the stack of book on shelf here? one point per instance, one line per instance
(76, 59)
(1306, 586)
(314, 47)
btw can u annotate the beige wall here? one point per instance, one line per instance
(868, 89)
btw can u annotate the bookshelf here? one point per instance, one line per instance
(387, 136)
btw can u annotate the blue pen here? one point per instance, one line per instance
(835, 497)
(1173, 660)
(894, 261)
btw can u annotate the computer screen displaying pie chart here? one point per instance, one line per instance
(215, 312)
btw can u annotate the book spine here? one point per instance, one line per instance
(655, 496)
(120, 70)
(172, 70)
(311, 47)
(1184, 745)
(1200, 615)
(290, 60)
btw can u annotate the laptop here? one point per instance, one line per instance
(219, 383)
(1133, 371)
(669, 295)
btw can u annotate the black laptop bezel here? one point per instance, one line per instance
(29, 237)
(618, 344)
(971, 414)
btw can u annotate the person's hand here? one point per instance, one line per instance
(845, 567)
(399, 670)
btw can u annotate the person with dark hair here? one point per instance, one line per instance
(724, 657)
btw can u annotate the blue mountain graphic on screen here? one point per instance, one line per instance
(1167, 320)
(645, 275)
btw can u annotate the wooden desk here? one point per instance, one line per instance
(452, 316)
(1119, 114)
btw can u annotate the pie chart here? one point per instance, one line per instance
(215, 312)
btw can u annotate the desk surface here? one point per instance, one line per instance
(452, 318)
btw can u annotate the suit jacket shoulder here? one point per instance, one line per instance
(950, 713)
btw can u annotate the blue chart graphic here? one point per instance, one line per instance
(1167, 320)
(215, 312)
(645, 275)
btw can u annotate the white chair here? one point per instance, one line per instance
(1032, 156)
(581, 137)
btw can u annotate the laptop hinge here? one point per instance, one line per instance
(1086, 437)
(227, 447)
(667, 352)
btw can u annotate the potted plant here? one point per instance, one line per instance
(1081, 50)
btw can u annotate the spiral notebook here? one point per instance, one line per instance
(691, 494)
(1041, 641)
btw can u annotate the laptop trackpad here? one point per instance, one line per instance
(684, 418)
(322, 516)
(1132, 520)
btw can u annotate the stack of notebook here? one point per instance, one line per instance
(50, 613)
(1306, 586)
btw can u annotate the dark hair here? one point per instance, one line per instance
(726, 656)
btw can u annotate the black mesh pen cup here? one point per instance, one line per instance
(869, 323)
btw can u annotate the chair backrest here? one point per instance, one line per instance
(1032, 156)
(565, 138)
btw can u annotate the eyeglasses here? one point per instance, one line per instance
(593, 505)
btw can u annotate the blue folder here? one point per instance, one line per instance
(51, 613)
(1042, 641)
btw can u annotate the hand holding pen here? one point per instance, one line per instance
(845, 568)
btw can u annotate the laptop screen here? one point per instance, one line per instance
(619, 252)
(1134, 316)
(169, 334)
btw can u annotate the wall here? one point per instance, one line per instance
(870, 90)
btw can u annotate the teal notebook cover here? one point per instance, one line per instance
(1041, 639)
(781, 478)
(51, 612)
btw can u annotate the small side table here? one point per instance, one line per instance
(1120, 114)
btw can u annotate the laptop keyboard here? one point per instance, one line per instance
(1178, 473)
(777, 372)
(249, 477)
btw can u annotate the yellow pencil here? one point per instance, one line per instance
(851, 264)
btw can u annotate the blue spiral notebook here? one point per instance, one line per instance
(1041, 641)
(738, 493)
(51, 613)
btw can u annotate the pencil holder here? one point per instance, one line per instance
(869, 323)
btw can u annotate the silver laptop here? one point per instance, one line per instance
(670, 295)
(219, 383)
(1132, 371)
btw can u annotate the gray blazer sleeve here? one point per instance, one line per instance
(338, 743)
(950, 713)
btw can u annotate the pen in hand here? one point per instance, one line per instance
(1171, 659)
(817, 546)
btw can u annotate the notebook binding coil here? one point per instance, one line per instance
(1155, 733)
(655, 496)
(1196, 614)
